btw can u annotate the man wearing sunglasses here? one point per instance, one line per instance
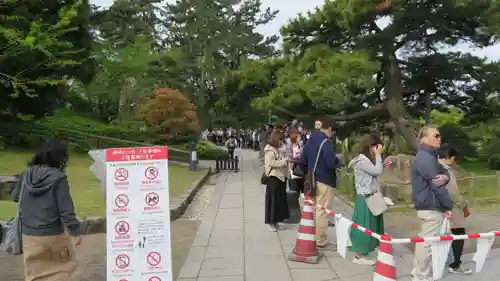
(430, 196)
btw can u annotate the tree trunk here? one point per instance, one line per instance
(395, 102)
(427, 116)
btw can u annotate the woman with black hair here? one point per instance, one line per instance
(48, 215)
(447, 155)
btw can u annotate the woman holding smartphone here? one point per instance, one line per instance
(367, 167)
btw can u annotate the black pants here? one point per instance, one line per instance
(276, 202)
(457, 247)
(231, 153)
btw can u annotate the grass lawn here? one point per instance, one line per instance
(85, 187)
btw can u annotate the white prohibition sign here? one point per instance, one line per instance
(153, 258)
(152, 199)
(122, 227)
(121, 201)
(121, 174)
(151, 173)
(122, 261)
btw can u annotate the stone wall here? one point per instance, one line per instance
(7, 183)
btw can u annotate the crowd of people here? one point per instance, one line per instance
(49, 223)
(435, 193)
(245, 138)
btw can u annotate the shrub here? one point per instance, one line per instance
(494, 162)
(169, 116)
(2, 144)
(209, 151)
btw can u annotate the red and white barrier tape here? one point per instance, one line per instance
(409, 240)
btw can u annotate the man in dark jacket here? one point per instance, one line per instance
(320, 147)
(430, 197)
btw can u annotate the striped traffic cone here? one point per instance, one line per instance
(385, 269)
(305, 248)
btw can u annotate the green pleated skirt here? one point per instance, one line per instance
(362, 243)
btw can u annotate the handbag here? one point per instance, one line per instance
(297, 171)
(466, 211)
(310, 185)
(13, 242)
(376, 203)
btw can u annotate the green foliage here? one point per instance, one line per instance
(40, 52)
(81, 131)
(2, 143)
(209, 151)
(121, 80)
(455, 135)
(494, 162)
(323, 76)
(486, 137)
(440, 118)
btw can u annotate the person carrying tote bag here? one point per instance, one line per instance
(367, 167)
(447, 155)
(48, 221)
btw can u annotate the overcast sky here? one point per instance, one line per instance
(290, 8)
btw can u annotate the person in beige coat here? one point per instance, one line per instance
(275, 168)
(447, 155)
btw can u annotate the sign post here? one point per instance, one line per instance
(193, 157)
(138, 213)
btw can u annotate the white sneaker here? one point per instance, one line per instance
(279, 226)
(388, 201)
(460, 271)
(363, 261)
(272, 228)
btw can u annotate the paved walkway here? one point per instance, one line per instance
(233, 244)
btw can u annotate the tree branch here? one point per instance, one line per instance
(374, 109)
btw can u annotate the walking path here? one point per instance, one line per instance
(233, 244)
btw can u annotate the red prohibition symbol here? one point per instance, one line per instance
(121, 174)
(122, 261)
(154, 278)
(121, 201)
(152, 199)
(153, 258)
(151, 173)
(122, 227)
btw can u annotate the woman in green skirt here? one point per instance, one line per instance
(367, 167)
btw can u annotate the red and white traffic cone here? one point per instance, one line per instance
(385, 269)
(305, 248)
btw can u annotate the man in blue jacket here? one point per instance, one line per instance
(430, 196)
(325, 175)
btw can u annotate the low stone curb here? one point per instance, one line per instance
(179, 206)
(93, 225)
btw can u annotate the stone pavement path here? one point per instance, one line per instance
(233, 244)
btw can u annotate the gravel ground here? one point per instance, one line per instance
(92, 253)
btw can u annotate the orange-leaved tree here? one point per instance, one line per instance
(169, 116)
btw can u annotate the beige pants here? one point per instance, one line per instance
(430, 224)
(49, 258)
(323, 198)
